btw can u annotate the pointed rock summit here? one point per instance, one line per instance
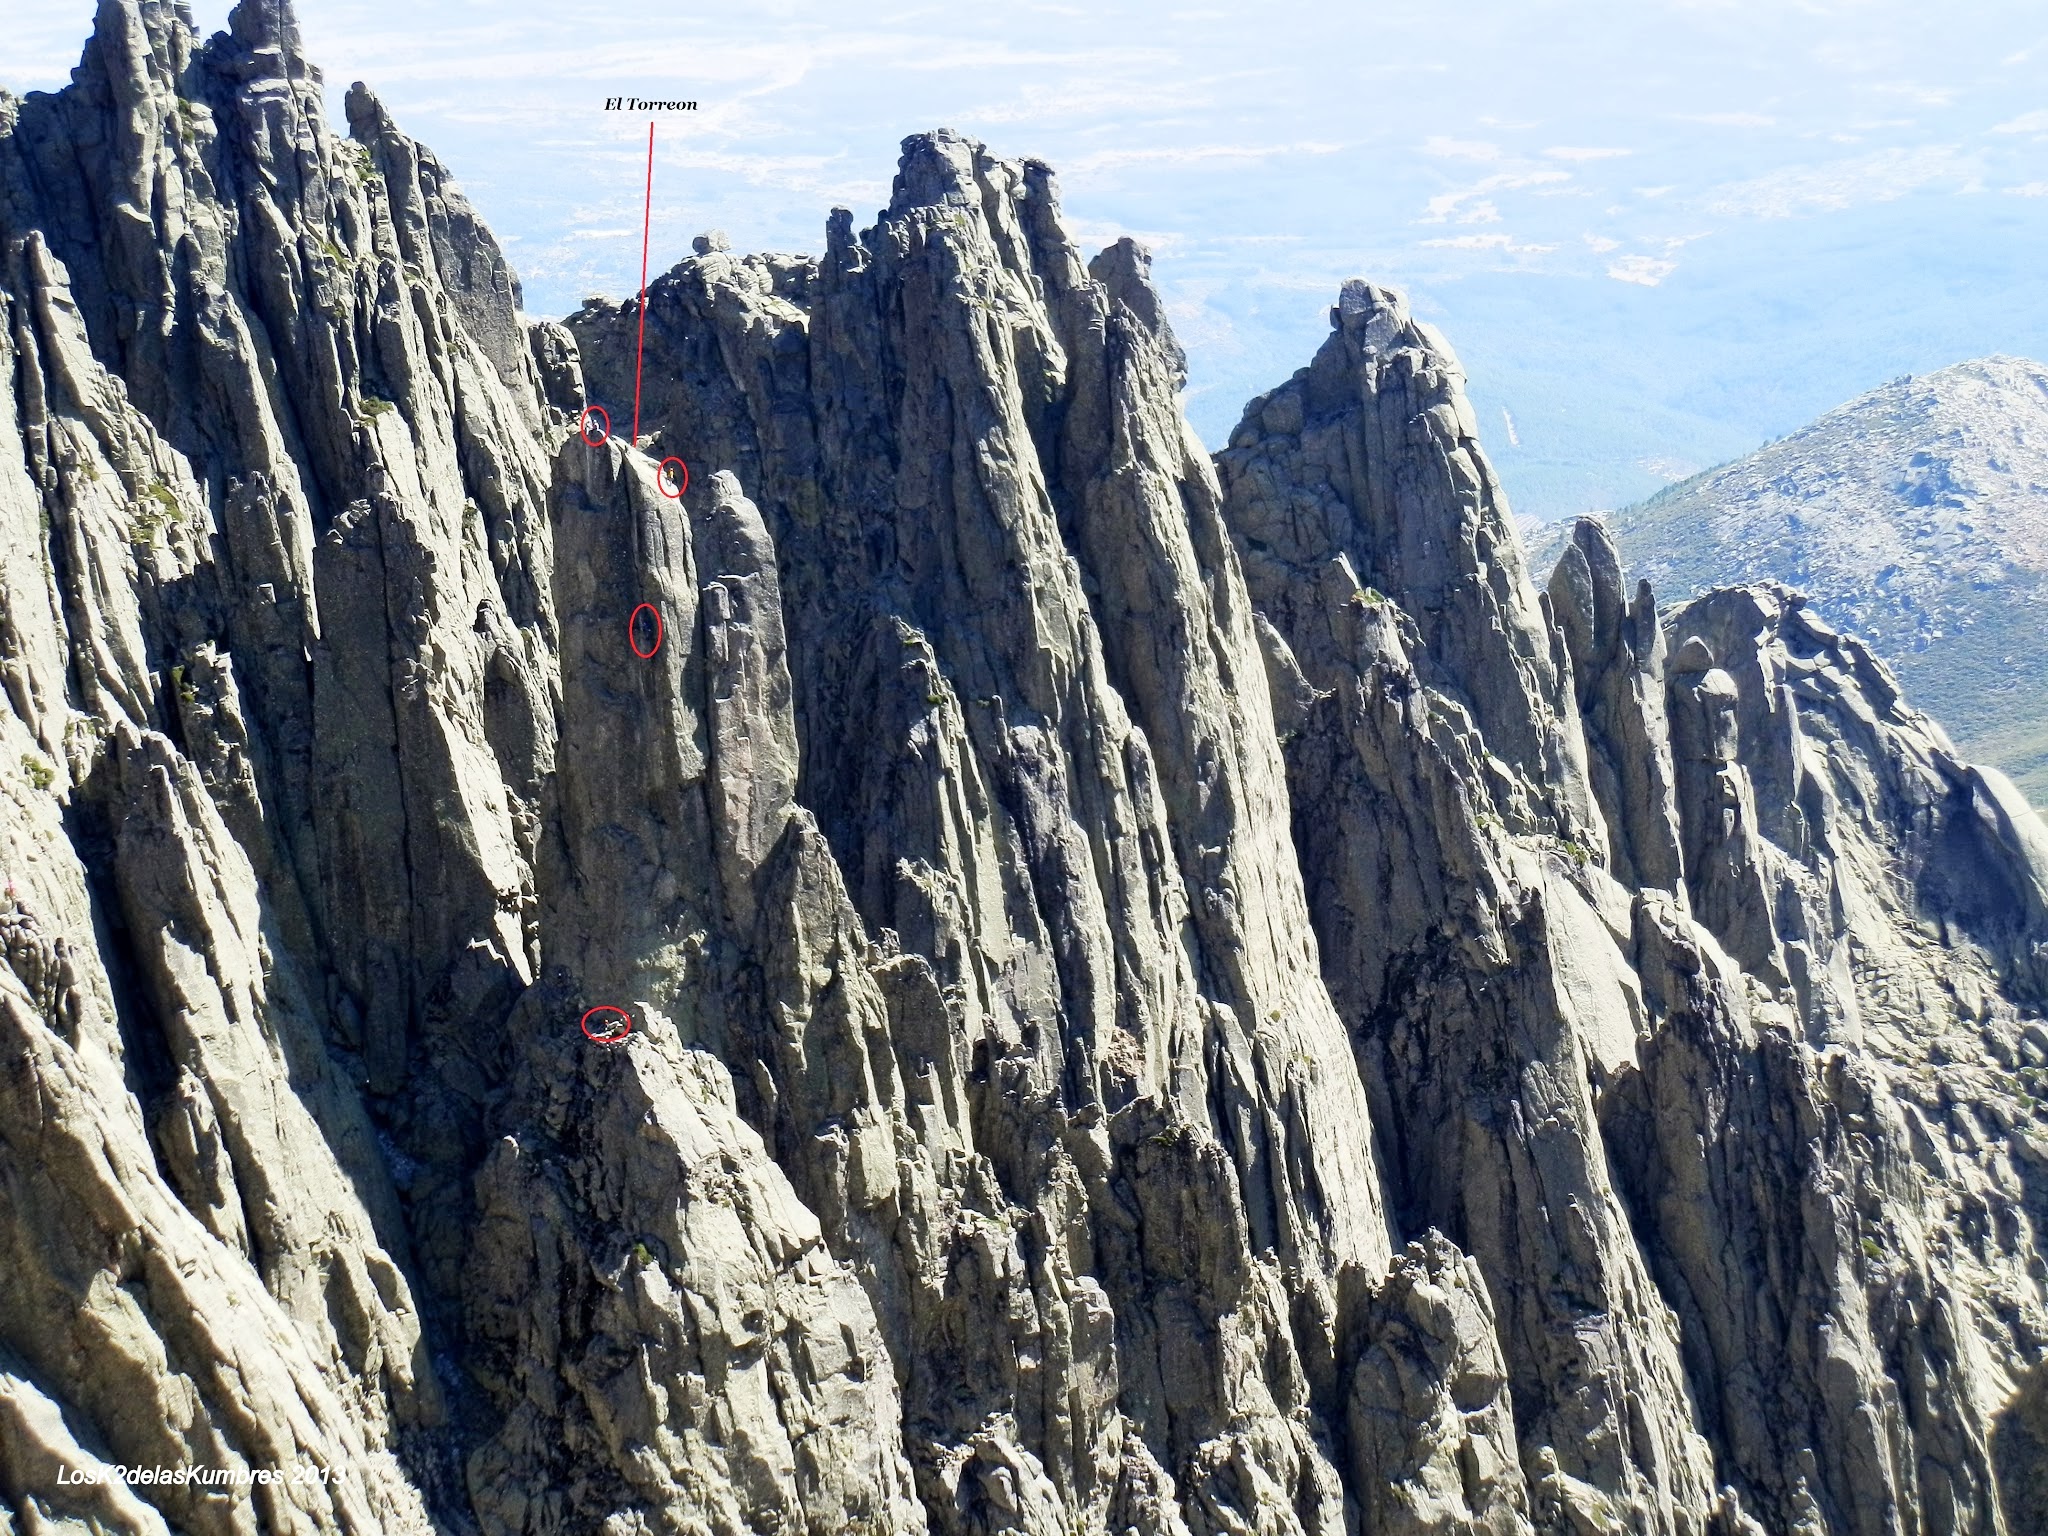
(1915, 516)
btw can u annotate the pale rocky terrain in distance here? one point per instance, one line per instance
(1915, 516)
(1169, 995)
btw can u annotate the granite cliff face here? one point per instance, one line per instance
(1145, 994)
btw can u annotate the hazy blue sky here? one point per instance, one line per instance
(1657, 233)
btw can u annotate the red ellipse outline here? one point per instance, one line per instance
(584, 1025)
(659, 483)
(583, 422)
(644, 655)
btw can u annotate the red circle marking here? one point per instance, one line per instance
(583, 426)
(661, 479)
(624, 1029)
(633, 625)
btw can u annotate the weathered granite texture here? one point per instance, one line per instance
(1732, 1108)
(1165, 996)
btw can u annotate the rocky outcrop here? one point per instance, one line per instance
(1365, 469)
(972, 970)
(1029, 699)
(1859, 1381)
(254, 470)
(1915, 516)
(1585, 1051)
(1428, 1411)
(1618, 660)
(1485, 991)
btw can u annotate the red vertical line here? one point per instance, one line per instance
(646, 224)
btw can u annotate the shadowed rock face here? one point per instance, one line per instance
(1164, 996)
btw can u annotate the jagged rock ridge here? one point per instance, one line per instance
(1167, 996)
(1917, 517)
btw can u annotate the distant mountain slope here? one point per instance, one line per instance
(1915, 516)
